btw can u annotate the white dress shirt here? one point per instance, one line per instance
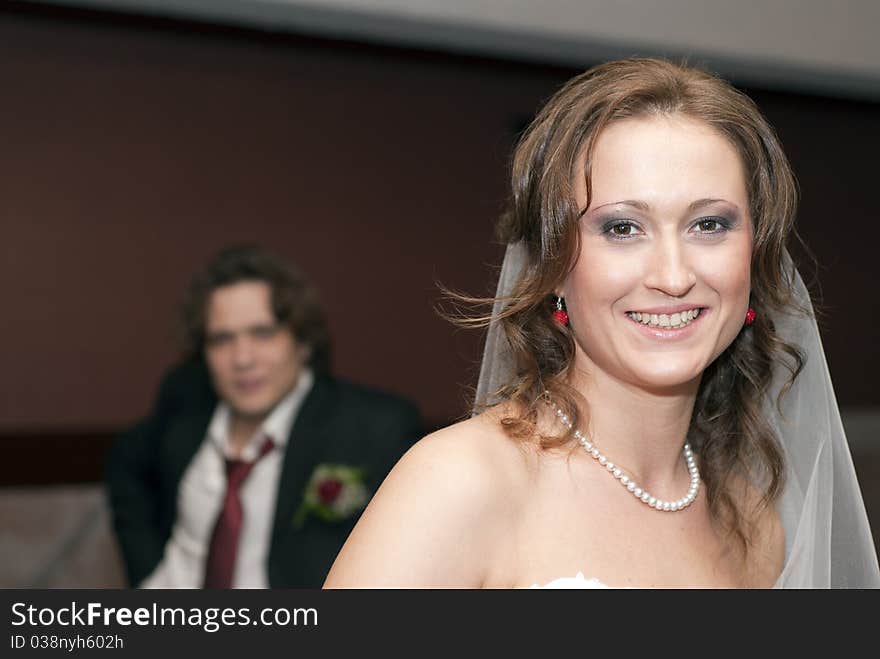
(200, 499)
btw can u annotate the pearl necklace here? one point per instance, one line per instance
(631, 486)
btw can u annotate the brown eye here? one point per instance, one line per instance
(621, 229)
(708, 225)
(711, 225)
(265, 331)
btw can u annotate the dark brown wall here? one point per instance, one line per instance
(131, 156)
(131, 152)
(834, 146)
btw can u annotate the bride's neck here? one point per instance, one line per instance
(642, 431)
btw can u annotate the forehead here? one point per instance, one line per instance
(664, 160)
(239, 305)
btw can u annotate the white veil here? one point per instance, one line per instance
(828, 542)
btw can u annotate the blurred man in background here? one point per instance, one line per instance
(255, 463)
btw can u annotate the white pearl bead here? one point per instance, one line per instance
(625, 480)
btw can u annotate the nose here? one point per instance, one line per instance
(669, 270)
(243, 352)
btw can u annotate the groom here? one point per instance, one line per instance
(255, 463)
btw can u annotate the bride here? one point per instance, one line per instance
(654, 408)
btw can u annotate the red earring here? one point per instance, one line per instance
(560, 315)
(750, 316)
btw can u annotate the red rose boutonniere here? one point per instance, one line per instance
(333, 493)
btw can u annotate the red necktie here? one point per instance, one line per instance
(220, 565)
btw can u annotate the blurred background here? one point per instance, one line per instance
(368, 142)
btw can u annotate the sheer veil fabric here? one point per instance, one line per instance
(828, 541)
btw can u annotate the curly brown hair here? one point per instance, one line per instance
(727, 428)
(295, 300)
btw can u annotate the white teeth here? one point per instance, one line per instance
(679, 319)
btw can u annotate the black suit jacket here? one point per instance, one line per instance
(338, 423)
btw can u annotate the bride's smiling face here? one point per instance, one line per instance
(661, 284)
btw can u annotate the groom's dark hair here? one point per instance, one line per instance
(295, 301)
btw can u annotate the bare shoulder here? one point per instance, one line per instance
(476, 454)
(475, 445)
(461, 469)
(434, 520)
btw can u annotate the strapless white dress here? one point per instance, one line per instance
(577, 581)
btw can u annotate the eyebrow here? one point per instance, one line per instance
(643, 206)
(242, 330)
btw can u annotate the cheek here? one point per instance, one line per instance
(728, 271)
(598, 279)
(281, 355)
(217, 361)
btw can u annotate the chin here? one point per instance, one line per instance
(252, 407)
(667, 378)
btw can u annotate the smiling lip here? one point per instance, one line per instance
(667, 333)
(248, 385)
(678, 308)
